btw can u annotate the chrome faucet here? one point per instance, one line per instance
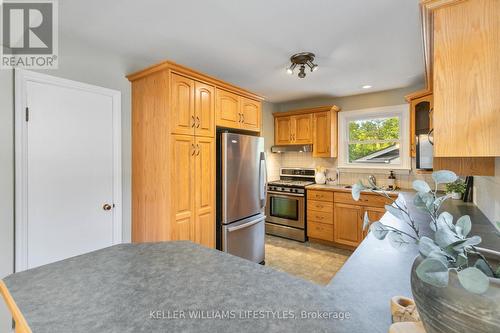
(372, 180)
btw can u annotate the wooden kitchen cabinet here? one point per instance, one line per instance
(466, 49)
(204, 191)
(175, 111)
(461, 50)
(347, 229)
(204, 110)
(335, 218)
(302, 129)
(234, 111)
(228, 109)
(374, 215)
(293, 130)
(322, 134)
(182, 104)
(316, 126)
(320, 215)
(192, 106)
(282, 130)
(183, 185)
(251, 113)
(421, 104)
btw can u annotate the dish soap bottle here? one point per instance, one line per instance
(391, 183)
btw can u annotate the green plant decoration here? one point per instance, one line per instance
(452, 249)
(458, 186)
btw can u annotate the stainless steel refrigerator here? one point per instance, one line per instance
(241, 195)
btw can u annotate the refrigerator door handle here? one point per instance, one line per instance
(263, 179)
(245, 225)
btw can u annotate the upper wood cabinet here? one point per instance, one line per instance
(466, 45)
(316, 126)
(174, 115)
(204, 110)
(228, 109)
(322, 133)
(251, 113)
(421, 104)
(193, 108)
(461, 48)
(282, 130)
(234, 111)
(293, 130)
(182, 105)
(302, 129)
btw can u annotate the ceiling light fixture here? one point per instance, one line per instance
(366, 86)
(302, 59)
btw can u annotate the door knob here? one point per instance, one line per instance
(107, 207)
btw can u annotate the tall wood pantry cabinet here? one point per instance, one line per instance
(174, 117)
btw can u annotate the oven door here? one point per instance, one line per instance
(285, 209)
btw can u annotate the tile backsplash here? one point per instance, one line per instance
(305, 160)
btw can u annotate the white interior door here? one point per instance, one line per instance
(68, 164)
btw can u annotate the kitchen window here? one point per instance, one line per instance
(374, 138)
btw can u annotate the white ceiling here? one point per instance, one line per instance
(249, 42)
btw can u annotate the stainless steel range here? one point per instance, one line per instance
(286, 205)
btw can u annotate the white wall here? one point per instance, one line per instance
(80, 63)
(487, 194)
(6, 186)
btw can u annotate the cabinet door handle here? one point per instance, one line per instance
(194, 121)
(242, 117)
(194, 149)
(198, 150)
(198, 122)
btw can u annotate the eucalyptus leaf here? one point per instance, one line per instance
(444, 177)
(378, 230)
(421, 186)
(439, 255)
(473, 280)
(472, 241)
(441, 199)
(445, 220)
(366, 221)
(394, 211)
(397, 240)
(462, 259)
(426, 246)
(463, 225)
(445, 237)
(422, 200)
(484, 267)
(356, 190)
(434, 272)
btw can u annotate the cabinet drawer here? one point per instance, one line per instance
(320, 195)
(320, 231)
(322, 217)
(364, 200)
(320, 206)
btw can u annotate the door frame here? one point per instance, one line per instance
(21, 78)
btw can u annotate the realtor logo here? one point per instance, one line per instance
(29, 34)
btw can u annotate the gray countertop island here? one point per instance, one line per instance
(183, 287)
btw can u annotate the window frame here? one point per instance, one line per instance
(400, 111)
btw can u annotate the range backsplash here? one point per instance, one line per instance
(305, 160)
